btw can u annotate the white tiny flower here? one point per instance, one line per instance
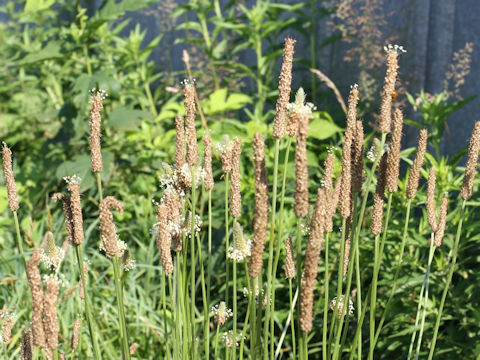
(72, 179)
(394, 49)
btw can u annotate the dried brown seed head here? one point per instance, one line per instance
(207, 159)
(431, 209)
(179, 142)
(280, 122)
(393, 158)
(235, 195)
(50, 321)
(301, 168)
(164, 239)
(26, 347)
(9, 178)
(471, 166)
(76, 209)
(357, 157)
(379, 197)
(67, 209)
(331, 207)
(414, 175)
(260, 221)
(442, 221)
(107, 226)
(36, 288)
(289, 259)
(96, 100)
(191, 132)
(75, 333)
(133, 348)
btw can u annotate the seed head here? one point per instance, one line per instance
(298, 109)
(133, 348)
(207, 159)
(191, 133)
(431, 212)
(80, 282)
(8, 321)
(96, 100)
(9, 178)
(68, 213)
(76, 209)
(226, 153)
(221, 312)
(241, 248)
(442, 221)
(26, 347)
(235, 196)
(260, 220)
(179, 142)
(107, 227)
(36, 288)
(289, 259)
(389, 87)
(312, 255)
(357, 157)
(332, 206)
(414, 175)
(301, 169)
(50, 322)
(164, 239)
(471, 166)
(284, 83)
(76, 333)
(393, 158)
(379, 197)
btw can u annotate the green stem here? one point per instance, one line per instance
(339, 282)
(208, 43)
(19, 239)
(216, 342)
(209, 272)
(292, 323)
(313, 48)
(192, 265)
(356, 337)
(88, 313)
(279, 242)
(247, 317)
(359, 290)
(325, 301)
(234, 305)
(449, 279)
(425, 302)
(261, 100)
(376, 269)
(397, 272)
(121, 312)
(270, 252)
(298, 269)
(174, 311)
(164, 306)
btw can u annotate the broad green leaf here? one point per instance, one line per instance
(52, 50)
(122, 118)
(322, 129)
(35, 5)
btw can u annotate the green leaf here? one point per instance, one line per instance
(35, 5)
(322, 128)
(52, 50)
(122, 118)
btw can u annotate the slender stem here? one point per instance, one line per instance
(181, 300)
(261, 100)
(5, 350)
(270, 253)
(209, 273)
(253, 329)
(397, 272)
(298, 269)
(279, 242)
(19, 239)
(326, 286)
(245, 326)
(313, 48)
(164, 306)
(88, 313)
(208, 43)
(121, 312)
(358, 282)
(356, 337)
(292, 323)
(216, 342)
(339, 281)
(425, 302)
(449, 279)
(227, 239)
(417, 319)
(376, 270)
(234, 304)
(192, 264)
(174, 311)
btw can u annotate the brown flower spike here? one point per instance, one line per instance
(285, 81)
(191, 133)
(431, 212)
(179, 142)
(442, 222)
(50, 321)
(289, 259)
(471, 166)
(107, 227)
(357, 157)
(260, 222)
(393, 158)
(164, 239)
(312, 255)
(76, 209)
(26, 347)
(67, 209)
(414, 175)
(301, 169)
(96, 100)
(379, 197)
(235, 196)
(75, 333)
(9, 178)
(207, 160)
(36, 288)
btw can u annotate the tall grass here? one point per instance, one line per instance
(189, 293)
